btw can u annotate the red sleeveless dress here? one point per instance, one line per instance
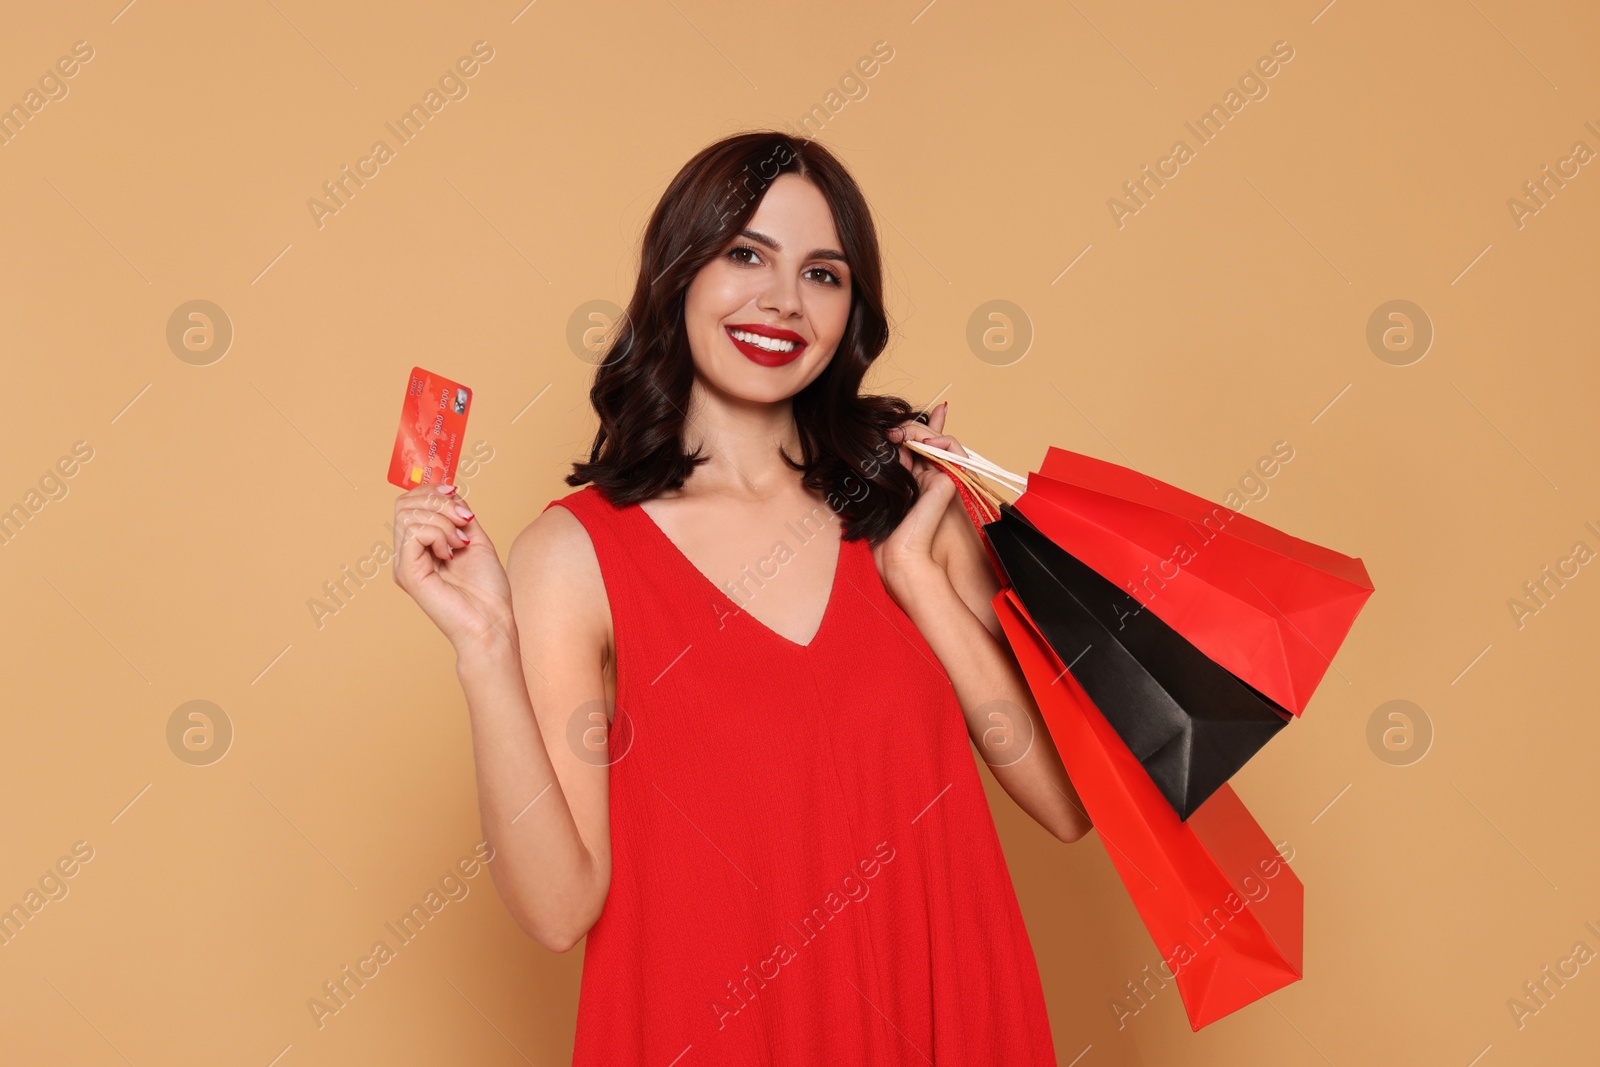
(805, 869)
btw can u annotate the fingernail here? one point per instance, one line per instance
(944, 404)
(466, 540)
(447, 489)
(464, 511)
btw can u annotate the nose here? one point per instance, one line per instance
(782, 296)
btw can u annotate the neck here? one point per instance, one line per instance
(742, 437)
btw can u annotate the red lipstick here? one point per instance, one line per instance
(763, 356)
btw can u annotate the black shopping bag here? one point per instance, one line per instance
(1189, 721)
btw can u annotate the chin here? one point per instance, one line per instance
(755, 384)
(770, 390)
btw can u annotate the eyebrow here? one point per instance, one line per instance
(816, 253)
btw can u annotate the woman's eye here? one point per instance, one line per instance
(735, 253)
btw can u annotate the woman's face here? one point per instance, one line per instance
(782, 279)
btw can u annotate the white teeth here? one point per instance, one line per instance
(768, 343)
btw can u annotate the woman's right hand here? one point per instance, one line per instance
(447, 563)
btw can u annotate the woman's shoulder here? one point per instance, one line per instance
(554, 560)
(582, 499)
(591, 506)
(561, 532)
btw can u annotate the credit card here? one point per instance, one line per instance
(432, 422)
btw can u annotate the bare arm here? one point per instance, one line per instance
(543, 808)
(937, 570)
(951, 606)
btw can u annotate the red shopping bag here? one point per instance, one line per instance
(1220, 902)
(1222, 906)
(1270, 607)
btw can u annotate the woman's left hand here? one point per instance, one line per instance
(908, 551)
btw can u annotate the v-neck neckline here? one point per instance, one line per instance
(827, 611)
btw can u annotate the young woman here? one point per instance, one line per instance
(721, 696)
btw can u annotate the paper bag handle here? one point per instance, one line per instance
(981, 502)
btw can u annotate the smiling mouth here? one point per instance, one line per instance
(767, 351)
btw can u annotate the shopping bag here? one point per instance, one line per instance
(1186, 720)
(1271, 608)
(1220, 902)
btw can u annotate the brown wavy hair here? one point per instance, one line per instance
(641, 388)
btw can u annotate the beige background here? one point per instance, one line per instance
(1228, 314)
